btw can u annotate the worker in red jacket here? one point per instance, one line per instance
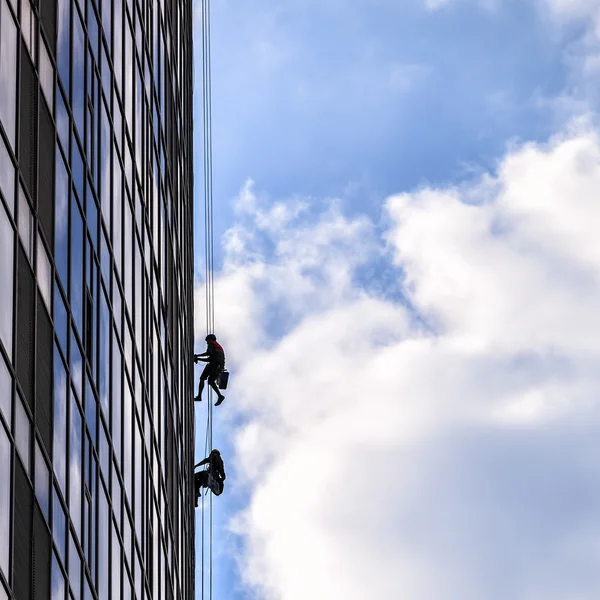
(215, 357)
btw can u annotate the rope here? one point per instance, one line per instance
(209, 264)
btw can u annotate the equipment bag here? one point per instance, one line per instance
(223, 379)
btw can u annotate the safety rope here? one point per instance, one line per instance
(209, 267)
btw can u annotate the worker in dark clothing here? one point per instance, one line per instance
(215, 357)
(213, 477)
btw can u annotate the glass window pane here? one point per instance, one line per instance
(78, 65)
(6, 280)
(23, 433)
(5, 476)
(60, 421)
(103, 542)
(76, 366)
(47, 77)
(58, 580)
(61, 324)
(44, 275)
(74, 568)
(7, 177)
(42, 480)
(59, 525)
(29, 28)
(62, 121)
(8, 73)
(75, 467)
(5, 392)
(77, 274)
(25, 224)
(61, 220)
(64, 45)
(104, 372)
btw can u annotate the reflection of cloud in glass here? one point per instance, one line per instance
(77, 375)
(44, 275)
(60, 423)
(42, 480)
(75, 478)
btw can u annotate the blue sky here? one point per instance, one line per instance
(322, 98)
(397, 185)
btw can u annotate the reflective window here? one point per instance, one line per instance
(7, 177)
(74, 568)
(59, 525)
(58, 580)
(26, 225)
(75, 467)
(117, 237)
(42, 480)
(61, 324)
(29, 28)
(90, 410)
(92, 217)
(117, 396)
(47, 77)
(5, 392)
(103, 541)
(127, 441)
(6, 280)
(116, 566)
(8, 72)
(104, 334)
(104, 452)
(61, 220)
(76, 366)
(22, 433)
(44, 275)
(78, 65)
(62, 121)
(77, 274)
(92, 25)
(105, 164)
(77, 170)
(5, 493)
(60, 420)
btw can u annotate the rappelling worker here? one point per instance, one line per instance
(213, 477)
(215, 357)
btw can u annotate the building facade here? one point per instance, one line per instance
(96, 288)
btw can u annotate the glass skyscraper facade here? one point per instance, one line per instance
(96, 289)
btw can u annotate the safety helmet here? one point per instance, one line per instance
(211, 337)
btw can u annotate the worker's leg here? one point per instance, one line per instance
(212, 381)
(197, 484)
(203, 377)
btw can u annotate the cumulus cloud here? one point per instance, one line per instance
(441, 447)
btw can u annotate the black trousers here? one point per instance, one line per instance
(204, 479)
(211, 371)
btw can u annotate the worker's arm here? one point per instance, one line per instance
(202, 462)
(205, 356)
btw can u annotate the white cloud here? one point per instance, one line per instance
(437, 449)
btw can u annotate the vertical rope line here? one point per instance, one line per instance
(208, 256)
